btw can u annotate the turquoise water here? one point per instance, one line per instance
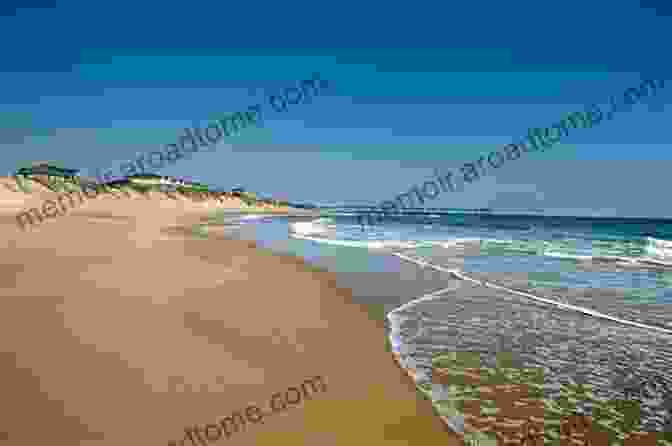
(576, 258)
(633, 253)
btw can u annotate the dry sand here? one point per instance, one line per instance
(117, 328)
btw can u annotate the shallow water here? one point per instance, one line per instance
(605, 271)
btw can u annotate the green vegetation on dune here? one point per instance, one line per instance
(248, 199)
(186, 190)
(199, 231)
(143, 188)
(53, 183)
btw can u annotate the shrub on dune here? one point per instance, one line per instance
(143, 189)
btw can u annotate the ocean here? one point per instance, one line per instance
(587, 300)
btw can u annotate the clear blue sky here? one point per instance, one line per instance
(414, 86)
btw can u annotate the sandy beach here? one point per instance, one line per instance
(120, 327)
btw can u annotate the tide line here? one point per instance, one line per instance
(459, 275)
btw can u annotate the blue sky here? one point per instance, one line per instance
(413, 87)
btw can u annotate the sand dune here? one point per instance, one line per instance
(124, 199)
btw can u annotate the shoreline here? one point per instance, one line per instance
(621, 341)
(176, 330)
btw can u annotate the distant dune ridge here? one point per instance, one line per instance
(37, 198)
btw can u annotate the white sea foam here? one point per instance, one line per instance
(563, 255)
(323, 230)
(458, 274)
(659, 249)
(368, 244)
(306, 228)
(253, 217)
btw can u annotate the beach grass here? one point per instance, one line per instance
(199, 231)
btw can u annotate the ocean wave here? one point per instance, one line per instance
(318, 226)
(647, 251)
(562, 255)
(659, 249)
(368, 244)
(253, 217)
